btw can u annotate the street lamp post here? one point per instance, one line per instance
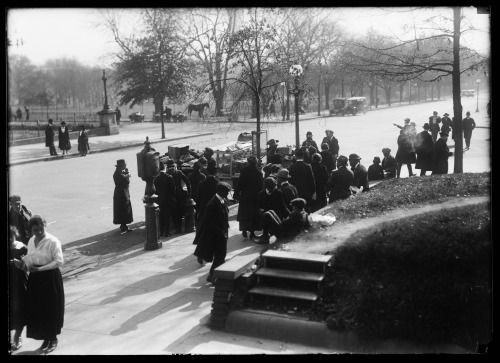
(283, 107)
(104, 78)
(477, 102)
(296, 71)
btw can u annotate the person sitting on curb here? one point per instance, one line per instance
(375, 171)
(340, 181)
(389, 164)
(360, 183)
(290, 227)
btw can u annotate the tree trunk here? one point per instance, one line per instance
(401, 90)
(327, 96)
(219, 104)
(457, 106)
(257, 107)
(254, 106)
(388, 95)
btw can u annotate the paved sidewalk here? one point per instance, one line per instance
(152, 302)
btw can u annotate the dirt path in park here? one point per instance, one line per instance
(330, 238)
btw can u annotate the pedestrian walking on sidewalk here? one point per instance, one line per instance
(122, 208)
(45, 290)
(18, 280)
(64, 143)
(49, 138)
(211, 236)
(83, 141)
(468, 125)
(434, 122)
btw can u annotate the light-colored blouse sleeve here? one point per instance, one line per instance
(48, 255)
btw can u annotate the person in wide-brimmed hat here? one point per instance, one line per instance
(446, 123)
(423, 149)
(122, 208)
(272, 155)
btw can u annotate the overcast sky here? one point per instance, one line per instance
(74, 33)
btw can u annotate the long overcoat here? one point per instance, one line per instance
(246, 191)
(333, 144)
(424, 151)
(321, 178)
(211, 234)
(440, 156)
(122, 208)
(83, 142)
(64, 143)
(302, 178)
(49, 135)
(206, 190)
(405, 153)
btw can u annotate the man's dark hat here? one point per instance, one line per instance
(223, 187)
(299, 152)
(252, 159)
(324, 146)
(272, 142)
(309, 133)
(426, 126)
(14, 198)
(386, 150)
(298, 202)
(170, 163)
(283, 173)
(354, 157)
(342, 160)
(275, 168)
(446, 114)
(120, 163)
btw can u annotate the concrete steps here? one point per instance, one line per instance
(289, 276)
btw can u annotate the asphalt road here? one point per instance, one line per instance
(76, 194)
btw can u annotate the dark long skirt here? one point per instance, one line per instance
(18, 281)
(45, 304)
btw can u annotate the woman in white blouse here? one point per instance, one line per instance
(45, 315)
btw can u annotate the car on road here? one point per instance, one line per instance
(467, 93)
(345, 106)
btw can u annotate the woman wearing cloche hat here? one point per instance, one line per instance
(122, 208)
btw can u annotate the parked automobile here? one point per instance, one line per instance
(467, 93)
(338, 104)
(136, 117)
(346, 106)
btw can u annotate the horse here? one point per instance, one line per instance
(198, 108)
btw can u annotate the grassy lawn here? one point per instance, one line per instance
(425, 278)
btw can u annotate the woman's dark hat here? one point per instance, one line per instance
(222, 187)
(376, 160)
(342, 160)
(14, 198)
(426, 126)
(446, 114)
(269, 183)
(386, 150)
(120, 163)
(354, 157)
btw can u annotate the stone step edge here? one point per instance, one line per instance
(290, 274)
(286, 293)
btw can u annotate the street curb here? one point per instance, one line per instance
(134, 144)
(274, 327)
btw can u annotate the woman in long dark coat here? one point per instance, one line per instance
(424, 148)
(440, 155)
(246, 191)
(405, 153)
(64, 143)
(83, 141)
(122, 208)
